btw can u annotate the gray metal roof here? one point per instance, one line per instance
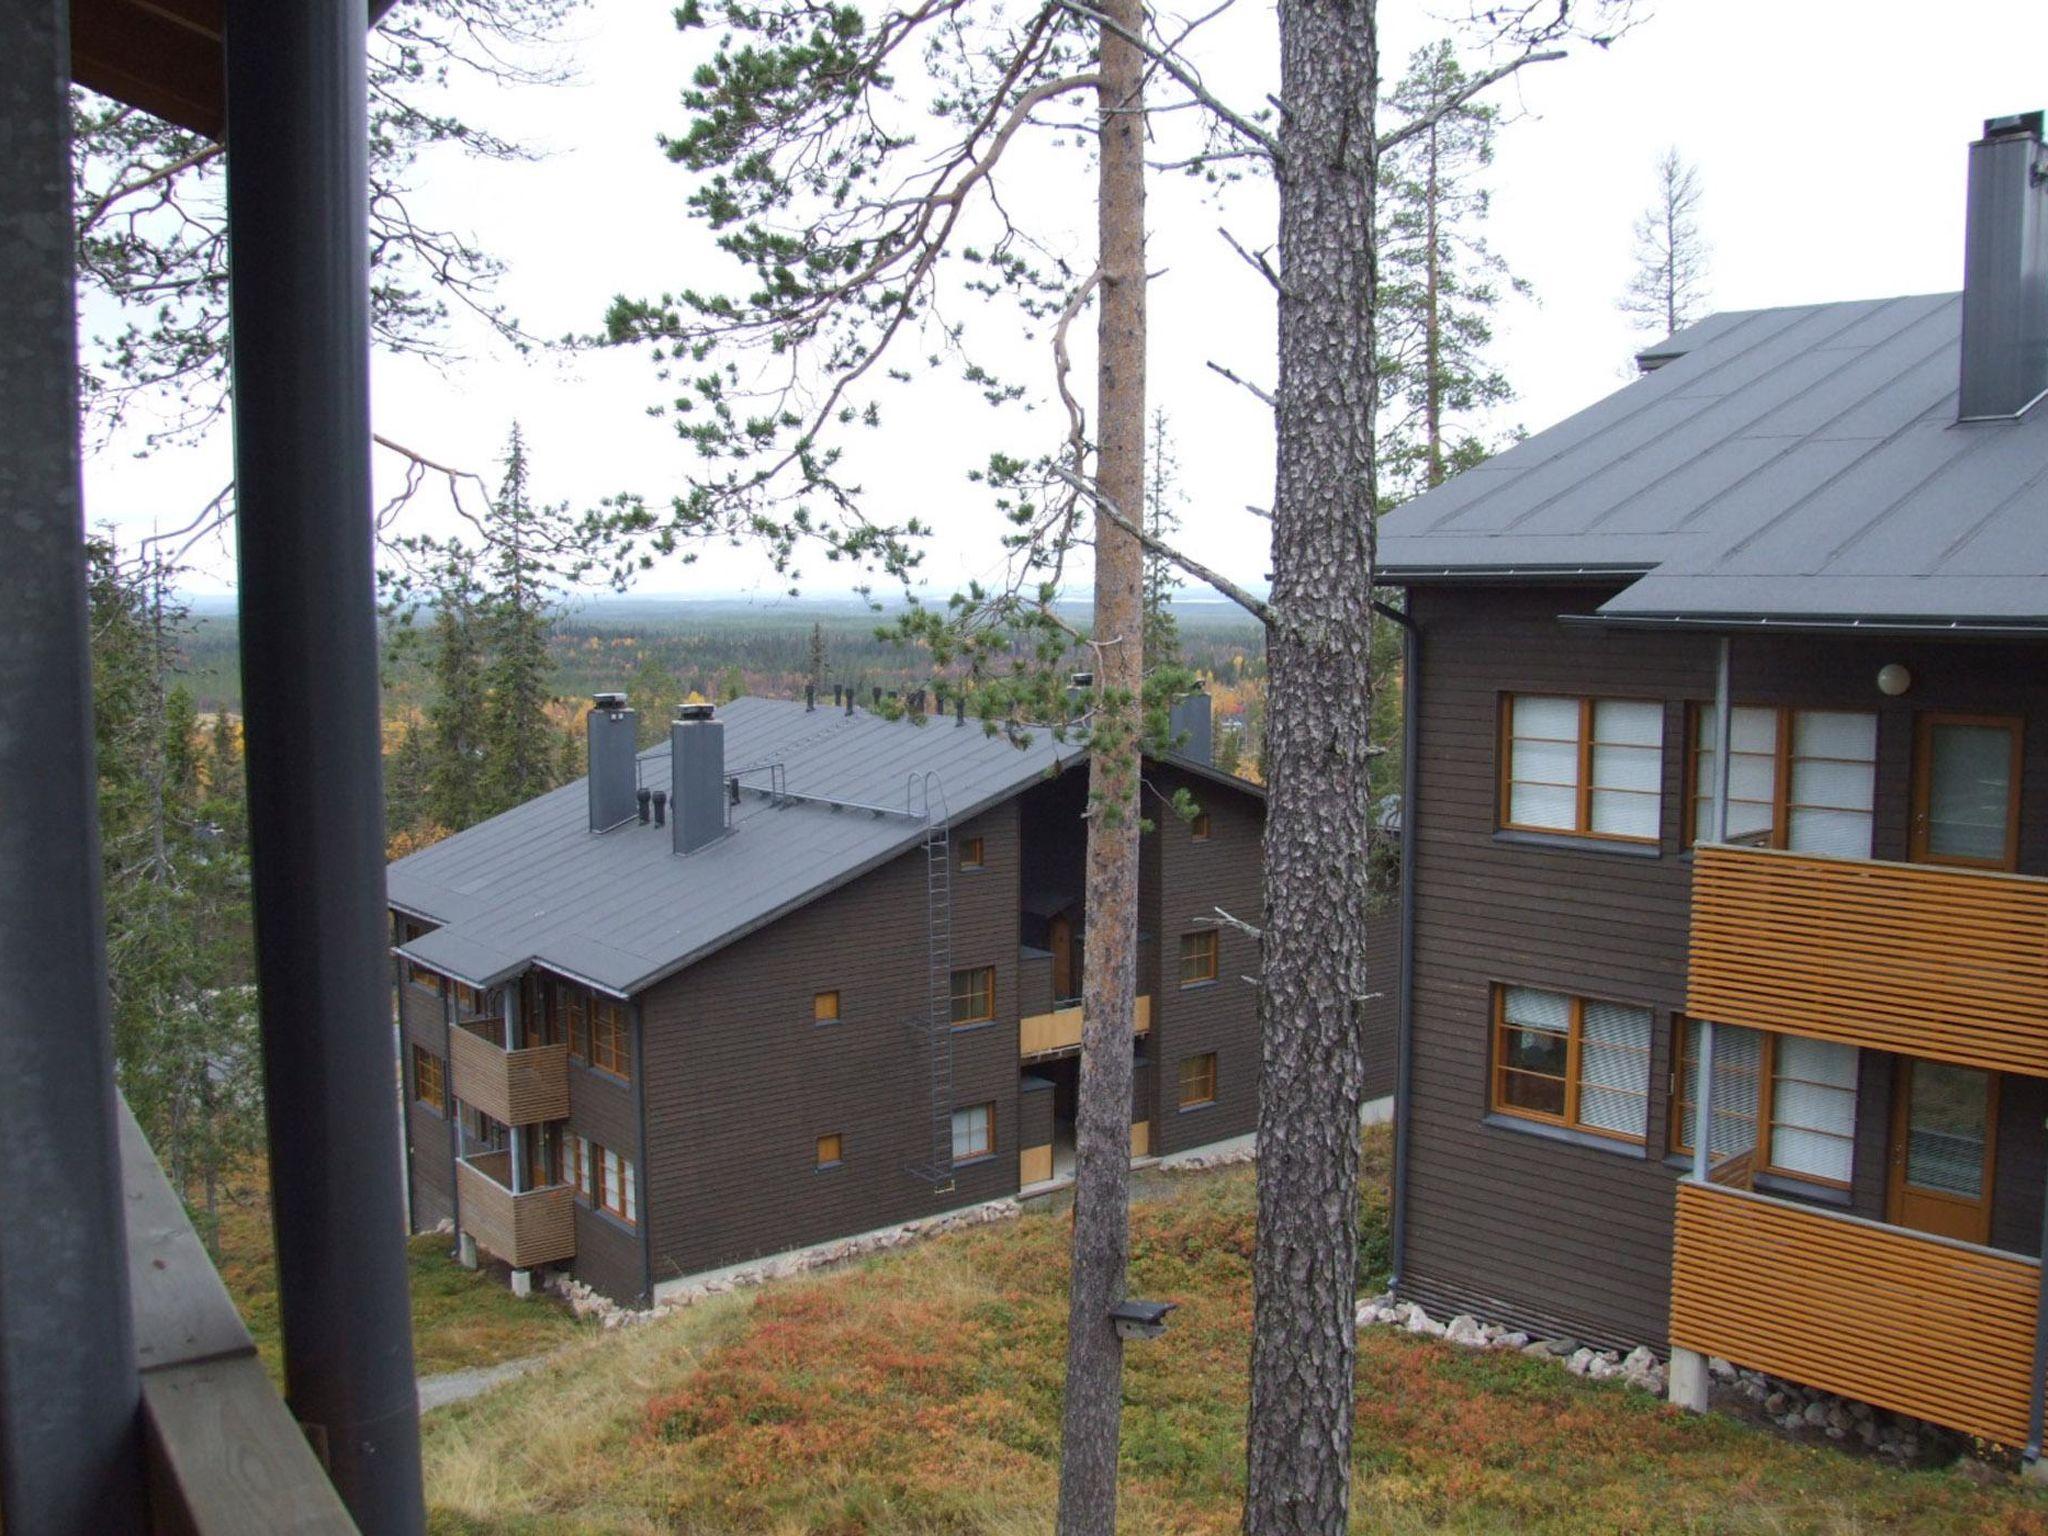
(1785, 466)
(620, 910)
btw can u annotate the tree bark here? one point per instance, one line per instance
(1298, 1449)
(1093, 1406)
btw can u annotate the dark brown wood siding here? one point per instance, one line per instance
(608, 1255)
(604, 1108)
(1555, 1235)
(431, 1159)
(1383, 1008)
(741, 1082)
(1195, 878)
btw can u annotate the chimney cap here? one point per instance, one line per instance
(2014, 123)
(608, 700)
(695, 711)
(1081, 680)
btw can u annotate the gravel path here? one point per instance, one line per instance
(456, 1386)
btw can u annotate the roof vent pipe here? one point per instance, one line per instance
(849, 703)
(645, 796)
(878, 698)
(660, 807)
(810, 698)
(2005, 272)
(837, 689)
(960, 710)
(609, 731)
(697, 776)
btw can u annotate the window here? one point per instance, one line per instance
(1198, 829)
(1590, 766)
(575, 1005)
(1785, 1102)
(579, 1168)
(974, 1132)
(602, 1178)
(1578, 1062)
(429, 1085)
(971, 852)
(974, 995)
(831, 1150)
(469, 1002)
(1966, 791)
(611, 1049)
(1803, 779)
(1200, 956)
(419, 976)
(825, 1007)
(544, 1159)
(1198, 1080)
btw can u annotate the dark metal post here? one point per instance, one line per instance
(70, 1399)
(2037, 1393)
(299, 289)
(1404, 1022)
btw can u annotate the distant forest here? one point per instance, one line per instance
(663, 650)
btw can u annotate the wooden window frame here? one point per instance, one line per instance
(611, 1038)
(1206, 1077)
(1498, 1070)
(838, 1149)
(973, 852)
(1200, 828)
(1208, 951)
(825, 1007)
(576, 1003)
(615, 1173)
(1699, 721)
(986, 974)
(1582, 809)
(435, 1074)
(1679, 1135)
(580, 1159)
(2015, 727)
(988, 1148)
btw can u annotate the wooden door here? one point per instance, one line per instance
(1944, 1134)
(1061, 943)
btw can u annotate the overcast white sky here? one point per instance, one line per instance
(1829, 136)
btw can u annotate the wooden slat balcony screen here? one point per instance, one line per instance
(512, 1087)
(537, 1226)
(1044, 1034)
(1940, 1330)
(1944, 963)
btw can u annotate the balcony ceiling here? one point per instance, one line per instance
(160, 55)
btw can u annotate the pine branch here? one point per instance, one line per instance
(1264, 395)
(1473, 87)
(1258, 609)
(1183, 76)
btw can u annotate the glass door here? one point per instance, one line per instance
(1966, 791)
(1944, 1124)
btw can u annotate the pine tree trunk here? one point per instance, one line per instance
(1093, 1406)
(1318, 802)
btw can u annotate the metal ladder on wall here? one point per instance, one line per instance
(926, 797)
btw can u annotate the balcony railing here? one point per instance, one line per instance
(225, 1453)
(1945, 963)
(512, 1087)
(1048, 1034)
(1921, 1325)
(535, 1226)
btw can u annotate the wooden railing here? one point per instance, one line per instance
(1945, 963)
(512, 1087)
(535, 1226)
(1922, 1325)
(1045, 1034)
(226, 1456)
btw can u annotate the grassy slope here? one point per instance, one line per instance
(460, 1318)
(919, 1392)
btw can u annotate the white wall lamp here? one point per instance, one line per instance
(1893, 679)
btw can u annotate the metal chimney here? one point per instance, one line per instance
(2005, 271)
(697, 776)
(1191, 718)
(613, 770)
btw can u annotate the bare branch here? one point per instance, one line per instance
(1257, 608)
(1483, 81)
(1223, 919)
(1257, 263)
(1182, 75)
(1265, 395)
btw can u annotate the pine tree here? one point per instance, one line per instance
(1163, 500)
(522, 749)
(1439, 281)
(457, 728)
(816, 673)
(1669, 285)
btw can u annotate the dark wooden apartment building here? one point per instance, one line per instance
(1730, 701)
(820, 980)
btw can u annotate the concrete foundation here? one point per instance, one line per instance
(1688, 1380)
(522, 1282)
(465, 1250)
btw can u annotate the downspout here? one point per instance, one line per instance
(1411, 716)
(2037, 1395)
(646, 1212)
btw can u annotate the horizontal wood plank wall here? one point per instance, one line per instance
(604, 1109)
(1937, 1330)
(534, 1227)
(1060, 1030)
(512, 1087)
(741, 1081)
(1559, 1238)
(608, 1255)
(1382, 1010)
(423, 1014)
(1945, 963)
(1195, 878)
(433, 1162)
